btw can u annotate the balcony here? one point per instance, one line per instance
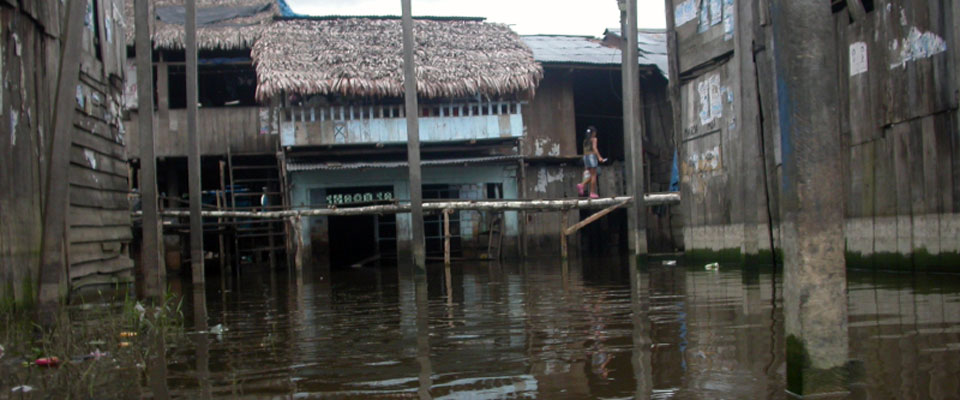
(342, 125)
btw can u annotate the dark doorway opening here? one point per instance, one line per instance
(361, 240)
(352, 239)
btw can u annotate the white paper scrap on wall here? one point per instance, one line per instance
(858, 58)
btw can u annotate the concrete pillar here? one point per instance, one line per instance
(815, 304)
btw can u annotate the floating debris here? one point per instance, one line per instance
(22, 389)
(52, 362)
(1, 351)
(712, 266)
(123, 344)
(128, 334)
(670, 262)
(218, 329)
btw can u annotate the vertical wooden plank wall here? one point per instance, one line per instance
(98, 217)
(898, 125)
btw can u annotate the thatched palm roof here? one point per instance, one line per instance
(239, 32)
(358, 56)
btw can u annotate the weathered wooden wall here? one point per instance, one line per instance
(897, 68)
(99, 227)
(549, 120)
(236, 127)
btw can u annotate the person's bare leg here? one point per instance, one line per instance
(593, 181)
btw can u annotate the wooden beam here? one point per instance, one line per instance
(193, 148)
(413, 139)
(151, 272)
(54, 258)
(600, 214)
(857, 12)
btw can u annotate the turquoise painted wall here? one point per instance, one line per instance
(305, 181)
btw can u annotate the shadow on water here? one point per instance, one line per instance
(590, 328)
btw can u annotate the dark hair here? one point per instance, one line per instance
(591, 130)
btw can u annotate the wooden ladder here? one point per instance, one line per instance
(495, 239)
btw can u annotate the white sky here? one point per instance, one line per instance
(527, 17)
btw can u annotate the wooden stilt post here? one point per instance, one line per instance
(632, 135)
(446, 236)
(563, 234)
(53, 258)
(150, 268)
(413, 139)
(814, 271)
(193, 148)
(222, 199)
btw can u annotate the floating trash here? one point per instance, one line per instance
(123, 344)
(52, 362)
(22, 389)
(1, 351)
(218, 329)
(670, 262)
(712, 266)
(128, 334)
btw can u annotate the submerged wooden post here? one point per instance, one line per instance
(563, 234)
(296, 225)
(446, 236)
(413, 139)
(632, 135)
(53, 257)
(193, 147)
(222, 203)
(150, 267)
(814, 282)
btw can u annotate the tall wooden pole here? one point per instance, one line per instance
(632, 136)
(814, 282)
(150, 271)
(413, 139)
(193, 147)
(53, 258)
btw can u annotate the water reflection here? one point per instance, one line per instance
(596, 328)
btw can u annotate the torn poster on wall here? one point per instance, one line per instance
(916, 46)
(685, 12)
(858, 58)
(727, 19)
(716, 12)
(711, 99)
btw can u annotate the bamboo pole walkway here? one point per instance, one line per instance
(447, 207)
(651, 199)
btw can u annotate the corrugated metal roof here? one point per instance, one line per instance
(652, 44)
(298, 165)
(571, 50)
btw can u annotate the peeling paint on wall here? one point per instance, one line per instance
(91, 158)
(545, 178)
(14, 121)
(917, 45)
(858, 58)
(685, 12)
(540, 145)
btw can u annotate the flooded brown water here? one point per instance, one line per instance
(592, 329)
